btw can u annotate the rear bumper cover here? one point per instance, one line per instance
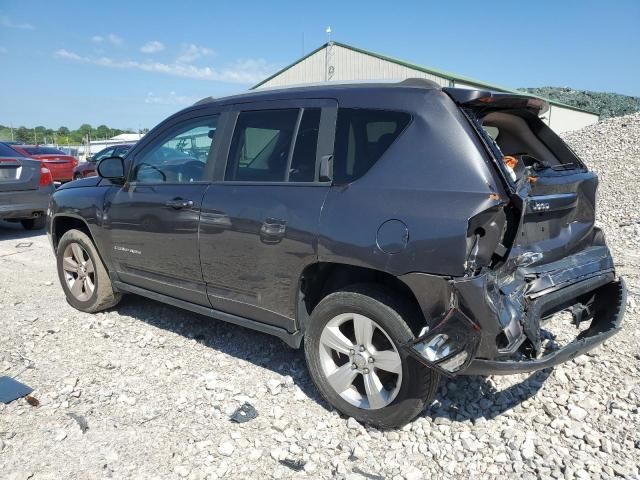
(491, 321)
(23, 204)
(610, 308)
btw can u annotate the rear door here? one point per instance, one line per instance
(259, 221)
(153, 218)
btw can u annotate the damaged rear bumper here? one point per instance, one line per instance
(606, 322)
(492, 326)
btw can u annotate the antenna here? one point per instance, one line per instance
(329, 69)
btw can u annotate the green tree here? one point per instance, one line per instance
(103, 131)
(63, 131)
(24, 134)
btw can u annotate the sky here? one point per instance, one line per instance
(131, 64)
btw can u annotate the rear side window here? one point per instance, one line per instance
(362, 137)
(260, 146)
(7, 151)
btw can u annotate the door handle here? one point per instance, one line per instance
(179, 203)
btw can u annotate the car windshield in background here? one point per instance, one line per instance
(43, 151)
(7, 151)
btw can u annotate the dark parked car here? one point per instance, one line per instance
(25, 188)
(56, 161)
(88, 168)
(381, 224)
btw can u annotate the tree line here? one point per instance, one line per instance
(61, 136)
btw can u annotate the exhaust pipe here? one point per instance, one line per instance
(36, 214)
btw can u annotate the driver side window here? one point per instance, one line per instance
(179, 156)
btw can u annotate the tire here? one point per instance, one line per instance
(411, 388)
(84, 298)
(33, 223)
(77, 176)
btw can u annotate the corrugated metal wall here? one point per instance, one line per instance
(347, 65)
(337, 63)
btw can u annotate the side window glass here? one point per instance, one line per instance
(179, 156)
(260, 146)
(303, 161)
(362, 137)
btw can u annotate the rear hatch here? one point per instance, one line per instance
(551, 207)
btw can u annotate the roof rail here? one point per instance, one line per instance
(204, 100)
(419, 82)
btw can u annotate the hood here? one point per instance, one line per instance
(83, 182)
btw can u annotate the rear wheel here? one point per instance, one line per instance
(32, 223)
(353, 351)
(77, 176)
(82, 274)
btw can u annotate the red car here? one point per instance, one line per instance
(59, 163)
(88, 168)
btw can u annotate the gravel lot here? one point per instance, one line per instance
(153, 386)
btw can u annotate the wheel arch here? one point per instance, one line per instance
(63, 222)
(320, 279)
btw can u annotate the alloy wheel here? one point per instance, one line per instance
(79, 272)
(360, 361)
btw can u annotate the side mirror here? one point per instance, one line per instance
(111, 168)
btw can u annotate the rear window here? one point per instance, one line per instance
(7, 151)
(42, 151)
(362, 137)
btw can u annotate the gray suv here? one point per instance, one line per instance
(399, 231)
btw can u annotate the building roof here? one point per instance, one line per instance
(432, 71)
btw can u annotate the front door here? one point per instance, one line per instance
(259, 221)
(153, 218)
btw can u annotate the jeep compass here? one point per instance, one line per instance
(398, 231)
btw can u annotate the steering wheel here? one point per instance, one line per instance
(153, 167)
(193, 169)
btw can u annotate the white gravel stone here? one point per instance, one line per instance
(226, 448)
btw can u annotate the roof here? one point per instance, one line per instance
(432, 71)
(335, 87)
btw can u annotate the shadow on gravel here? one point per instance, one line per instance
(459, 399)
(14, 231)
(242, 343)
(470, 398)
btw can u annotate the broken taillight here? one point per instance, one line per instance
(45, 177)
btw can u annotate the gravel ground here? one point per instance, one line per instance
(146, 390)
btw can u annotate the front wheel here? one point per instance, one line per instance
(82, 274)
(353, 351)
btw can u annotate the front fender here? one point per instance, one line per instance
(71, 205)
